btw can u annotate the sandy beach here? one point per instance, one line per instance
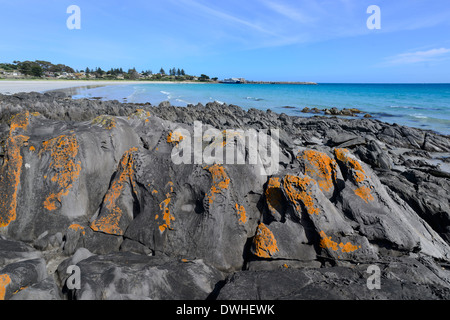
(15, 86)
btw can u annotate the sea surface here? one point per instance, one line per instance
(425, 106)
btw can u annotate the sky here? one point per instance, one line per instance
(324, 41)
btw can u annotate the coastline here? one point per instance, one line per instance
(411, 109)
(8, 86)
(16, 86)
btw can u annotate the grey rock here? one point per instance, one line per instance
(19, 275)
(43, 290)
(14, 251)
(130, 276)
(402, 279)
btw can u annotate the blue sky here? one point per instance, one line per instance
(280, 40)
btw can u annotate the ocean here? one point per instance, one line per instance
(425, 106)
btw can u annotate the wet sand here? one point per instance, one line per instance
(15, 86)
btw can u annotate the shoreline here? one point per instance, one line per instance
(16, 86)
(74, 87)
(12, 86)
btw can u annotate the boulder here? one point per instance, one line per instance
(128, 276)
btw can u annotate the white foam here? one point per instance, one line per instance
(419, 116)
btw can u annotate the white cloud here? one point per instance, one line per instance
(225, 17)
(418, 56)
(289, 12)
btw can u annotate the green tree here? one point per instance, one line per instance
(133, 74)
(36, 71)
(45, 65)
(99, 72)
(162, 71)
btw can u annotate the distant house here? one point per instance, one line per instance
(49, 74)
(12, 74)
(79, 75)
(233, 80)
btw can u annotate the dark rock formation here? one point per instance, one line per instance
(119, 190)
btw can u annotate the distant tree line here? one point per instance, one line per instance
(39, 68)
(35, 68)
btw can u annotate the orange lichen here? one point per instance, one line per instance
(109, 223)
(66, 170)
(320, 167)
(357, 172)
(274, 182)
(230, 134)
(167, 216)
(298, 191)
(348, 247)
(220, 181)
(77, 227)
(20, 289)
(107, 122)
(327, 243)
(10, 178)
(12, 168)
(141, 113)
(5, 280)
(264, 242)
(175, 137)
(19, 121)
(364, 193)
(32, 148)
(50, 201)
(274, 195)
(241, 213)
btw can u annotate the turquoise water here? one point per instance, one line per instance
(424, 106)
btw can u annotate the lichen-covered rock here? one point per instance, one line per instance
(149, 208)
(17, 276)
(57, 175)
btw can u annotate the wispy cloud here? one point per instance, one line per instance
(418, 56)
(288, 11)
(248, 25)
(225, 17)
(236, 25)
